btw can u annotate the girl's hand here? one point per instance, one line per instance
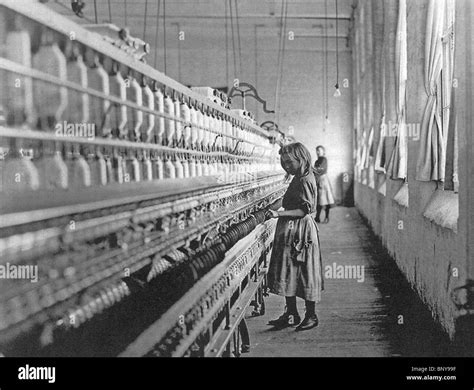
(271, 214)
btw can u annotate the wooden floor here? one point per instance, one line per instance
(357, 319)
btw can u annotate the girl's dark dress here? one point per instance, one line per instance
(296, 265)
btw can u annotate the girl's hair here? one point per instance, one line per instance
(300, 153)
(322, 147)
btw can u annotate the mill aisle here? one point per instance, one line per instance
(368, 309)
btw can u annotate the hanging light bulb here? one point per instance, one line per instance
(337, 92)
(325, 68)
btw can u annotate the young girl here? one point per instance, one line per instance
(295, 265)
(325, 195)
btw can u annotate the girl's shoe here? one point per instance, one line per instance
(308, 322)
(326, 220)
(286, 319)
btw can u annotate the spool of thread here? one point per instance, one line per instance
(178, 125)
(50, 100)
(169, 171)
(98, 79)
(169, 123)
(160, 107)
(19, 103)
(185, 115)
(118, 116)
(159, 169)
(134, 94)
(149, 119)
(52, 169)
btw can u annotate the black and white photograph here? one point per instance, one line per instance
(237, 179)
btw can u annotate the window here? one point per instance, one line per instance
(438, 153)
(437, 159)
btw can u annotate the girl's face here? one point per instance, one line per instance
(320, 152)
(289, 164)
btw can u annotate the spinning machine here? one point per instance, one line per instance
(132, 207)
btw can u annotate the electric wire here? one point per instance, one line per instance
(144, 20)
(125, 12)
(238, 38)
(95, 12)
(226, 45)
(156, 31)
(337, 50)
(164, 33)
(282, 58)
(233, 39)
(110, 11)
(280, 43)
(256, 66)
(179, 51)
(326, 69)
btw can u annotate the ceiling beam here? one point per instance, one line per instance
(246, 17)
(320, 36)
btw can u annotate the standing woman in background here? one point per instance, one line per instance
(295, 266)
(325, 195)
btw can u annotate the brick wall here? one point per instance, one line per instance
(203, 62)
(426, 252)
